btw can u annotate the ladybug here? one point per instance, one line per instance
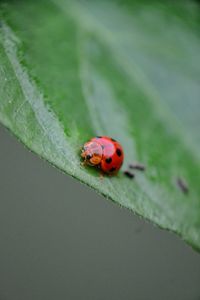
(103, 152)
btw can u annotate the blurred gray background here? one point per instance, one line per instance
(60, 240)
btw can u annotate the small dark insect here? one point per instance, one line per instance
(137, 166)
(129, 174)
(182, 184)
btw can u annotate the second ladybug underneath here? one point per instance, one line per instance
(105, 153)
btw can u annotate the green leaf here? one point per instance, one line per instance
(70, 70)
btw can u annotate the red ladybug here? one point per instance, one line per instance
(105, 153)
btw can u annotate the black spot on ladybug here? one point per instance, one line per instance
(108, 160)
(119, 152)
(113, 140)
(112, 169)
(88, 156)
(129, 174)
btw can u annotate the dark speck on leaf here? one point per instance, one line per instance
(182, 184)
(129, 174)
(137, 166)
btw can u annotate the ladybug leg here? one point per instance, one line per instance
(101, 176)
(80, 149)
(83, 163)
(101, 173)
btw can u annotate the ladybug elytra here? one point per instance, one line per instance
(105, 153)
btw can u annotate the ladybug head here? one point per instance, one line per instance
(92, 153)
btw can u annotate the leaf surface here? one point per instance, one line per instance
(70, 70)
